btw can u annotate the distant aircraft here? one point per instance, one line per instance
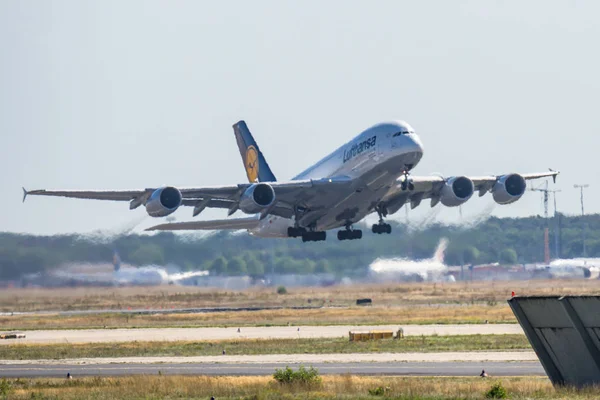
(370, 173)
(432, 269)
(587, 268)
(101, 275)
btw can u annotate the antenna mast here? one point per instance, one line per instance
(546, 193)
(581, 187)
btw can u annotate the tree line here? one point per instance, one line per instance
(504, 240)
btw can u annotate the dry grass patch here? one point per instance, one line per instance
(165, 297)
(422, 314)
(409, 303)
(332, 387)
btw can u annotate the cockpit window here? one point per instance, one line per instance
(402, 133)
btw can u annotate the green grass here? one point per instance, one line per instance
(271, 346)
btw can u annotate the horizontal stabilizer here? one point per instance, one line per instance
(218, 224)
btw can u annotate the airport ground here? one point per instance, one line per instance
(339, 345)
(494, 313)
(174, 306)
(344, 386)
(459, 344)
(389, 295)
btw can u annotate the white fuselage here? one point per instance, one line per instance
(373, 161)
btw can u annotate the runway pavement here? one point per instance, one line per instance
(151, 311)
(408, 369)
(273, 332)
(450, 356)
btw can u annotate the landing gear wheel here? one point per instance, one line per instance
(407, 183)
(316, 236)
(295, 232)
(381, 228)
(348, 234)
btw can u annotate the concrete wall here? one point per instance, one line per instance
(565, 334)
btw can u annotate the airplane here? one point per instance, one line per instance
(369, 174)
(394, 269)
(120, 275)
(587, 268)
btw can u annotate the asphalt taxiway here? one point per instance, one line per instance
(407, 369)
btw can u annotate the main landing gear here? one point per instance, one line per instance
(306, 235)
(349, 234)
(296, 232)
(381, 227)
(316, 236)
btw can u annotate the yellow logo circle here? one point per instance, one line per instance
(252, 164)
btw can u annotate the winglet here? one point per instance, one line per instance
(555, 175)
(25, 193)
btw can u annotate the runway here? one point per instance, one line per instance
(272, 332)
(341, 358)
(152, 311)
(406, 369)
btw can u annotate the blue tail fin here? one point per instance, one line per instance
(255, 164)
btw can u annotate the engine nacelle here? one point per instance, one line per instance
(508, 189)
(591, 272)
(256, 198)
(456, 191)
(163, 201)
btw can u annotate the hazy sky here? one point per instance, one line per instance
(134, 94)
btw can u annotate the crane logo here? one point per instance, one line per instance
(252, 163)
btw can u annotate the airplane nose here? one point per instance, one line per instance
(416, 144)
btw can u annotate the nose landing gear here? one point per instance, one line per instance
(407, 183)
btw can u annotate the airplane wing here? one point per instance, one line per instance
(430, 187)
(304, 193)
(232, 223)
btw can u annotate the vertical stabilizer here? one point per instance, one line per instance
(116, 261)
(440, 251)
(255, 164)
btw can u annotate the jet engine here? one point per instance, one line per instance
(591, 272)
(456, 191)
(508, 189)
(163, 201)
(256, 198)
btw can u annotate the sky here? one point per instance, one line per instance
(135, 94)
